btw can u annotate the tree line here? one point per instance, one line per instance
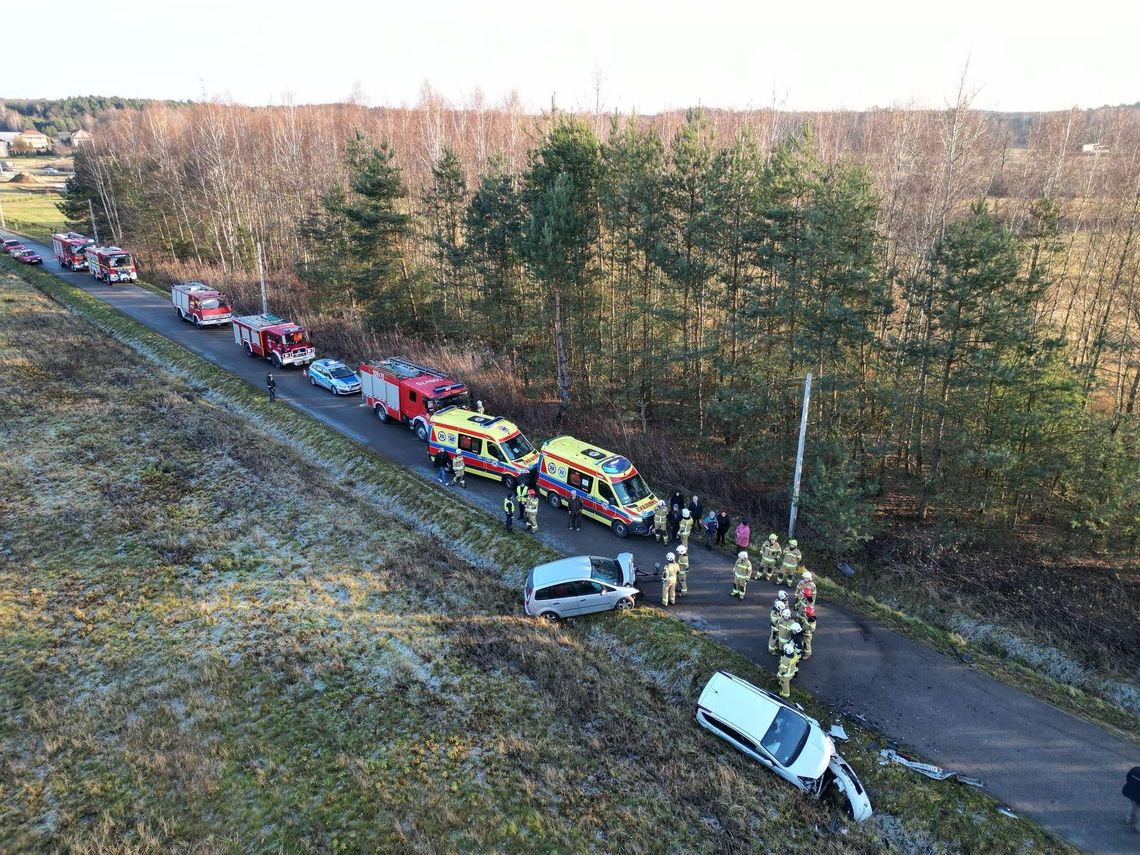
(967, 308)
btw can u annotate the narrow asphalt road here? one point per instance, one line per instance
(1044, 763)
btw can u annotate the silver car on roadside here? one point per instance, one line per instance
(581, 585)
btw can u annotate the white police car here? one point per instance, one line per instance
(335, 376)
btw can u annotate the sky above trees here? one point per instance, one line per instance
(630, 55)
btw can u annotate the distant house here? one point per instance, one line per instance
(76, 138)
(29, 141)
(6, 140)
(1094, 148)
(3, 148)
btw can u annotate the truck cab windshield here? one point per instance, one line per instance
(296, 339)
(517, 446)
(632, 490)
(460, 399)
(117, 261)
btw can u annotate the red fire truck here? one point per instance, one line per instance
(273, 338)
(200, 304)
(402, 390)
(69, 249)
(111, 264)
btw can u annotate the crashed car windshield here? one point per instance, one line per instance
(786, 736)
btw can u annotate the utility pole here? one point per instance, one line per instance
(799, 459)
(261, 276)
(94, 225)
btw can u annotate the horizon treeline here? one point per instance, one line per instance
(967, 306)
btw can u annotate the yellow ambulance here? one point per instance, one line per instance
(491, 446)
(611, 489)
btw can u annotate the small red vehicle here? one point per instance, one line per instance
(200, 304)
(28, 256)
(273, 338)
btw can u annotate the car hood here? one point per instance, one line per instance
(629, 574)
(816, 754)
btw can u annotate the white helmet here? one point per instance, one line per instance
(682, 549)
(660, 503)
(478, 403)
(807, 577)
(670, 557)
(789, 649)
(782, 596)
(795, 627)
(786, 613)
(686, 513)
(743, 553)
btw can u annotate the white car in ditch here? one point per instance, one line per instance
(781, 737)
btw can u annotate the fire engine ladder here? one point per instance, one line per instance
(406, 368)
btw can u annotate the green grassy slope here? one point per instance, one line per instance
(216, 635)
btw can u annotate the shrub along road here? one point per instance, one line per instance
(1046, 764)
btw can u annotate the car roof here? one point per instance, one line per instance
(565, 570)
(330, 363)
(740, 704)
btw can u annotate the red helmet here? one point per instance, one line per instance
(810, 611)
(530, 492)
(807, 593)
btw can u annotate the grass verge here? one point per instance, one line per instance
(227, 627)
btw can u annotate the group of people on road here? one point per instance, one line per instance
(524, 502)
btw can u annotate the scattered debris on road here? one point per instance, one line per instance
(1004, 811)
(837, 732)
(889, 755)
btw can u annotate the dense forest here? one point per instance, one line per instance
(962, 287)
(57, 117)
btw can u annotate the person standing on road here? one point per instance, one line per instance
(683, 569)
(1131, 791)
(479, 407)
(805, 590)
(660, 522)
(710, 530)
(686, 527)
(743, 535)
(575, 519)
(778, 607)
(721, 527)
(674, 522)
(509, 513)
(520, 499)
(669, 580)
(271, 385)
(787, 669)
(808, 622)
(696, 509)
(741, 573)
(442, 462)
(769, 557)
(790, 564)
(531, 511)
(458, 469)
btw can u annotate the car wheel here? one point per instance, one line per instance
(197, 321)
(312, 379)
(550, 617)
(249, 349)
(382, 412)
(276, 360)
(510, 482)
(620, 528)
(421, 431)
(623, 605)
